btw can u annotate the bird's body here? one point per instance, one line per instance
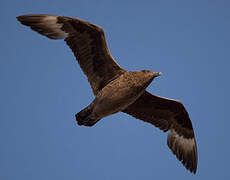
(115, 89)
(116, 96)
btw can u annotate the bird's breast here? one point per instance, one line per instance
(117, 95)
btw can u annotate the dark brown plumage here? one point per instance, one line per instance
(168, 114)
(86, 40)
(116, 89)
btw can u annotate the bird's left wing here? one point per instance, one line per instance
(171, 115)
(87, 42)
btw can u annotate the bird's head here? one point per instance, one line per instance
(145, 77)
(150, 74)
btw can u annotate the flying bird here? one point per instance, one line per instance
(115, 89)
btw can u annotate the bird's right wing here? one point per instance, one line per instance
(87, 42)
(168, 114)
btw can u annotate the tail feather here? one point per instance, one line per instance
(85, 117)
(82, 116)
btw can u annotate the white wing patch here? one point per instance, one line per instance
(55, 28)
(184, 149)
(46, 25)
(187, 144)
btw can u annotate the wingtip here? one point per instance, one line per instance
(184, 149)
(21, 16)
(18, 18)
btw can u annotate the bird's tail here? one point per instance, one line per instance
(84, 117)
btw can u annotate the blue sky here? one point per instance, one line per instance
(42, 87)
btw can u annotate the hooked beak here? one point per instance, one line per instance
(156, 74)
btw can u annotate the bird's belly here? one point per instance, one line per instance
(113, 99)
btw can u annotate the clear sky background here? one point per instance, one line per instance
(42, 87)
